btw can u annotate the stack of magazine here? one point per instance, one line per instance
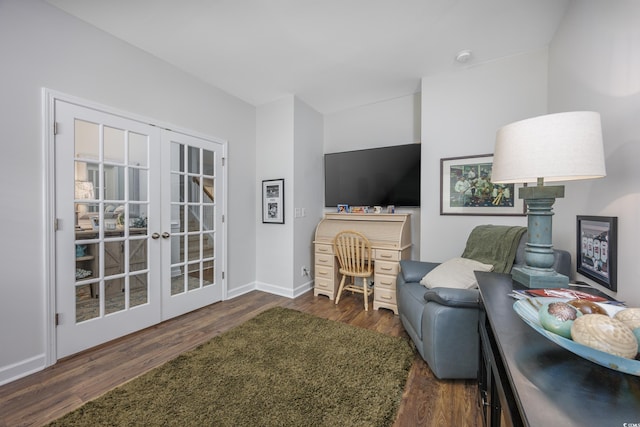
(561, 293)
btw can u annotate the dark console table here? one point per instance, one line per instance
(525, 379)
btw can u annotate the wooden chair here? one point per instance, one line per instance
(354, 256)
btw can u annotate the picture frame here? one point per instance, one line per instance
(273, 201)
(597, 249)
(343, 208)
(466, 189)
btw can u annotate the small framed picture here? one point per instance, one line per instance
(273, 201)
(596, 246)
(343, 208)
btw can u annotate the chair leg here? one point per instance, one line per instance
(365, 294)
(340, 288)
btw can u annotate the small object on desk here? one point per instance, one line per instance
(580, 285)
(604, 333)
(586, 306)
(558, 317)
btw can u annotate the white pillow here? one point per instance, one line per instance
(455, 273)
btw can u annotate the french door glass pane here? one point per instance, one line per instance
(193, 247)
(139, 291)
(208, 164)
(177, 157)
(114, 296)
(194, 160)
(87, 306)
(138, 184)
(87, 140)
(138, 155)
(114, 144)
(208, 273)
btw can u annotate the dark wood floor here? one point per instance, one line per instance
(47, 395)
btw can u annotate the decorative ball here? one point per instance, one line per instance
(587, 307)
(630, 317)
(557, 317)
(606, 334)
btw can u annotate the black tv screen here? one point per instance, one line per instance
(373, 177)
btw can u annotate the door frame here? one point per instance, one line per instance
(49, 97)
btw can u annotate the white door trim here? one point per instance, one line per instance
(49, 97)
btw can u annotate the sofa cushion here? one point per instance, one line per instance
(455, 273)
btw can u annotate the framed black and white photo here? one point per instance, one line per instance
(273, 201)
(466, 189)
(597, 247)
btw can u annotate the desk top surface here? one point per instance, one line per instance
(551, 385)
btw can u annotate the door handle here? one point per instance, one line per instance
(155, 236)
(165, 235)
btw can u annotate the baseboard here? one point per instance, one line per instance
(22, 369)
(284, 292)
(244, 289)
(272, 289)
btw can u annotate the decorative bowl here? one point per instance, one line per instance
(527, 309)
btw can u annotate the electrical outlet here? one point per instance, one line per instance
(304, 271)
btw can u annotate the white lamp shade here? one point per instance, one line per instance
(556, 147)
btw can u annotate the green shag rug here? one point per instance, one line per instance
(281, 368)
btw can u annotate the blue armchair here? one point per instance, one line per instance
(443, 322)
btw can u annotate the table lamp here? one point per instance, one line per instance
(549, 148)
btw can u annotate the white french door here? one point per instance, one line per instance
(192, 189)
(139, 234)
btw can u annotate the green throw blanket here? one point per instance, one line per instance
(494, 244)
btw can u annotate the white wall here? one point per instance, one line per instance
(289, 146)
(392, 122)
(274, 151)
(308, 188)
(594, 64)
(461, 112)
(41, 46)
(386, 123)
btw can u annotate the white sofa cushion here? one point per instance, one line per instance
(455, 273)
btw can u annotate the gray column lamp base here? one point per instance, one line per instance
(538, 271)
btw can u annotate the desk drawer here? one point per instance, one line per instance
(324, 284)
(387, 255)
(386, 296)
(386, 282)
(322, 248)
(323, 272)
(323, 259)
(388, 268)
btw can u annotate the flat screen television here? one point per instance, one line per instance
(373, 177)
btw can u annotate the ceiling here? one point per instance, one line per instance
(331, 54)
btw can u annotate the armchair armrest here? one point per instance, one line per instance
(451, 297)
(414, 271)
